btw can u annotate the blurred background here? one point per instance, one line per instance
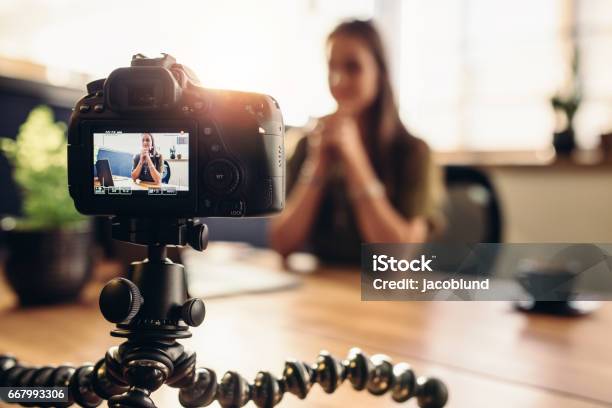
(513, 96)
(487, 83)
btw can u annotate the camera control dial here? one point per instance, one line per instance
(120, 300)
(221, 176)
(193, 312)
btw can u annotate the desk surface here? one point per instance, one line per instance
(120, 181)
(488, 355)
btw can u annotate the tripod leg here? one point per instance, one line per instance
(146, 366)
(184, 370)
(202, 391)
(87, 385)
(377, 374)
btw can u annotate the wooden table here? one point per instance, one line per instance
(488, 355)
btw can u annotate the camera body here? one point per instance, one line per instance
(230, 160)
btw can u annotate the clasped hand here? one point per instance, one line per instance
(144, 155)
(337, 136)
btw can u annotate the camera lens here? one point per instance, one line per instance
(221, 176)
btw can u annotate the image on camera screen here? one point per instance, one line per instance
(143, 163)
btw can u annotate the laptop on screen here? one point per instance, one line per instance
(105, 175)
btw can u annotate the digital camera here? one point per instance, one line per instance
(149, 140)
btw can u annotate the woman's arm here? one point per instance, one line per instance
(377, 219)
(137, 169)
(155, 173)
(290, 229)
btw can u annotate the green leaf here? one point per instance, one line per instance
(39, 159)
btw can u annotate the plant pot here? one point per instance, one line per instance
(45, 267)
(564, 142)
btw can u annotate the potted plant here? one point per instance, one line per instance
(48, 243)
(565, 104)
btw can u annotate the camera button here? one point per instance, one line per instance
(233, 208)
(221, 176)
(99, 108)
(84, 108)
(207, 202)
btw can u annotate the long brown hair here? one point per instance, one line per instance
(384, 126)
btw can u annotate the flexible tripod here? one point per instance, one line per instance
(152, 311)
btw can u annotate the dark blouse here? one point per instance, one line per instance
(145, 173)
(414, 189)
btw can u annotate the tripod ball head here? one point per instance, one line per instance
(121, 301)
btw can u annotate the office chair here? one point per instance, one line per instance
(473, 216)
(166, 172)
(472, 210)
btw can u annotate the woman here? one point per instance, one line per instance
(359, 176)
(148, 163)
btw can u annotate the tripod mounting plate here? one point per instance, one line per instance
(161, 231)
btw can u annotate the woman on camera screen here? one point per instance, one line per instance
(359, 176)
(148, 163)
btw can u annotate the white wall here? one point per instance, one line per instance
(131, 142)
(555, 203)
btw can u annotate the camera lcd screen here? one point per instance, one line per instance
(140, 163)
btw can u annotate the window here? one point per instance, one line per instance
(272, 46)
(479, 74)
(469, 74)
(594, 39)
